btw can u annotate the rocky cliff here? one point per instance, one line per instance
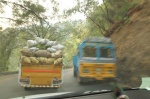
(132, 43)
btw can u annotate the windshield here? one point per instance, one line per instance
(57, 46)
(105, 52)
(89, 51)
(92, 51)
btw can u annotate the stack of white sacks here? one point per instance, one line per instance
(43, 52)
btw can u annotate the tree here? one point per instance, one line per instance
(8, 42)
(30, 16)
(103, 16)
(78, 31)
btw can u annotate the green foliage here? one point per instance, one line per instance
(28, 8)
(14, 60)
(102, 16)
(78, 31)
(30, 19)
(19, 22)
(31, 16)
(41, 46)
(99, 19)
(8, 42)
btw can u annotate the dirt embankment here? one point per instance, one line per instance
(132, 43)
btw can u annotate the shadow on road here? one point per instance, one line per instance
(40, 89)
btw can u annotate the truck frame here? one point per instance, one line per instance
(43, 76)
(95, 60)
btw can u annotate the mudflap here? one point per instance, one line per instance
(84, 80)
(111, 80)
(74, 73)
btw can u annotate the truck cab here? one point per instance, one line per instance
(95, 60)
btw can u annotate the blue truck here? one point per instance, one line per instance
(95, 60)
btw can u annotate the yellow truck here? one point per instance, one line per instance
(44, 76)
(41, 64)
(95, 60)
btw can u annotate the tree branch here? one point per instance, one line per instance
(97, 24)
(106, 15)
(106, 9)
(35, 27)
(48, 25)
(51, 35)
(60, 37)
(21, 6)
(8, 18)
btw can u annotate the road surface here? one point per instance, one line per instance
(9, 87)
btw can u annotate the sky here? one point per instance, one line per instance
(63, 4)
(4, 22)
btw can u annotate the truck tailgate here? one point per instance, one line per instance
(41, 74)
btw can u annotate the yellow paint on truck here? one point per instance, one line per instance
(41, 75)
(98, 71)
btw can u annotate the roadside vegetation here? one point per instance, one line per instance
(29, 19)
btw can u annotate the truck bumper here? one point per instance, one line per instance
(55, 84)
(98, 77)
(40, 86)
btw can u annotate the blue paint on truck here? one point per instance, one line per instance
(95, 42)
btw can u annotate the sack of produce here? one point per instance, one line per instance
(47, 40)
(58, 47)
(31, 43)
(43, 53)
(42, 60)
(26, 47)
(33, 49)
(58, 61)
(57, 54)
(26, 60)
(34, 60)
(40, 40)
(51, 43)
(28, 53)
(50, 60)
(51, 50)
(25, 52)
(37, 39)
(22, 57)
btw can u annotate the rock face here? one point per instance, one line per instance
(132, 43)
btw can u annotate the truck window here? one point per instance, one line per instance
(89, 51)
(105, 52)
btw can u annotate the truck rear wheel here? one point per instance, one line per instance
(80, 80)
(27, 88)
(74, 73)
(83, 80)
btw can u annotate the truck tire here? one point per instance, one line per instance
(27, 88)
(110, 81)
(81, 80)
(74, 73)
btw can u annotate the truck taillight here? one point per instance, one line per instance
(24, 80)
(57, 82)
(28, 76)
(85, 71)
(109, 71)
(98, 70)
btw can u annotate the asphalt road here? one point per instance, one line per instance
(9, 87)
